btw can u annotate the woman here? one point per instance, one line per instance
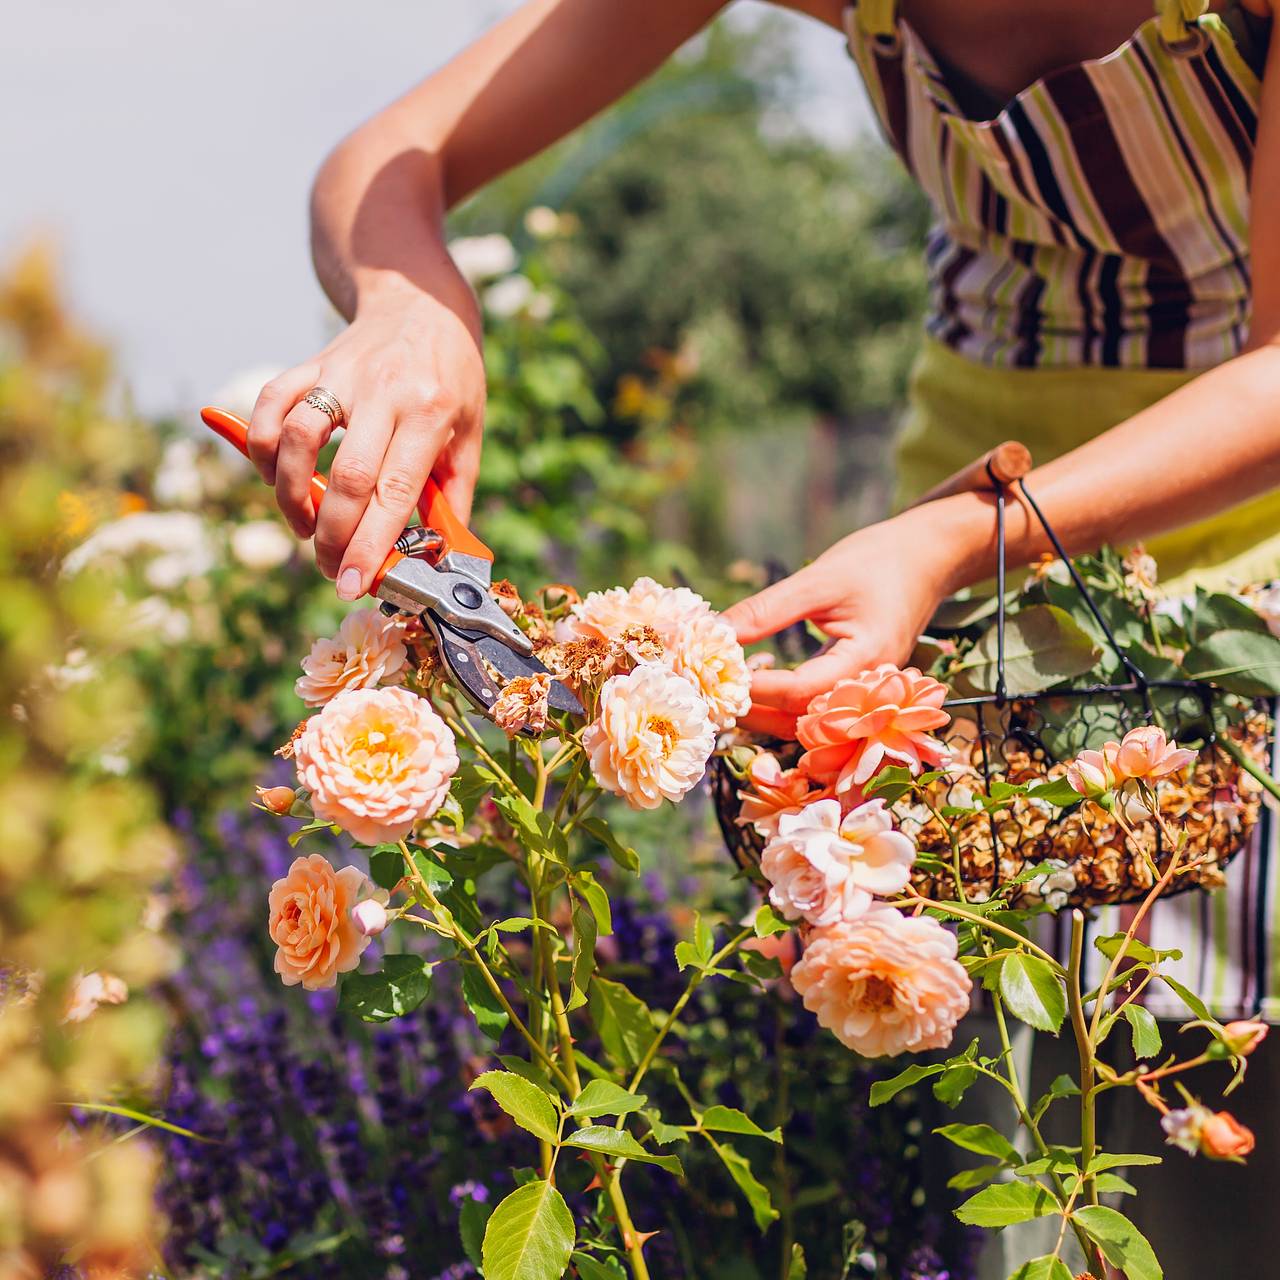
(1105, 286)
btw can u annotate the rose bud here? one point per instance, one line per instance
(278, 800)
(370, 917)
(1243, 1037)
(1223, 1137)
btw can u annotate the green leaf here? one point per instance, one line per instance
(958, 1074)
(756, 1193)
(589, 1269)
(1062, 1087)
(1043, 646)
(1212, 612)
(1032, 992)
(141, 1117)
(622, 1019)
(1188, 997)
(473, 1217)
(731, 1120)
(490, 1016)
(592, 891)
(1146, 1031)
(620, 1144)
(529, 1235)
(1110, 1160)
(386, 866)
(1120, 1241)
(1137, 950)
(1113, 1184)
(584, 956)
(1005, 1204)
(664, 1134)
(625, 857)
(1044, 1268)
(981, 1138)
(529, 1071)
(977, 1177)
(438, 878)
(523, 1101)
(1245, 662)
(1059, 792)
(895, 780)
(883, 1090)
(399, 987)
(797, 1268)
(768, 922)
(603, 1098)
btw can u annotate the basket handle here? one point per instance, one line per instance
(995, 469)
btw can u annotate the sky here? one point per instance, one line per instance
(167, 149)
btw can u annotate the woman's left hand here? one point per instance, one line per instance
(873, 592)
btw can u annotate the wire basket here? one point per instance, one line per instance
(1026, 737)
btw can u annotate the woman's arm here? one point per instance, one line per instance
(408, 370)
(1210, 445)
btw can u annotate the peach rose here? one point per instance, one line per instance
(824, 868)
(652, 738)
(368, 651)
(773, 791)
(883, 715)
(646, 603)
(708, 655)
(1223, 1137)
(311, 924)
(884, 983)
(376, 761)
(1145, 752)
(1093, 773)
(1244, 1036)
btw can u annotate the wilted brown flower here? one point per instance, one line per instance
(522, 704)
(285, 752)
(508, 598)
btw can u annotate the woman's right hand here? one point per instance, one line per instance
(409, 374)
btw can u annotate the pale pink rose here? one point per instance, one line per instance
(1145, 752)
(368, 651)
(884, 983)
(370, 917)
(652, 737)
(89, 990)
(773, 791)
(707, 653)
(310, 922)
(376, 761)
(879, 717)
(1244, 1036)
(1093, 773)
(823, 868)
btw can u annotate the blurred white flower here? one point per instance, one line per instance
(481, 258)
(89, 990)
(177, 479)
(509, 296)
(1054, 886)
(240, 392)
(262, 544)
(156, 617)
(76, 669)
(542, 222)
(180, 538)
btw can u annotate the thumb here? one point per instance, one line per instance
(792, 691)
(773, 609)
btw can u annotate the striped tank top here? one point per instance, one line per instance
(1101, 218)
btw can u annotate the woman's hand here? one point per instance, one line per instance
(409, 374)
(872, 593)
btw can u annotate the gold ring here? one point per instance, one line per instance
(323, 399)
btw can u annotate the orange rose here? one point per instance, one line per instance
(883, 715)
(310, 922)
(1243, 1037)
(1145, 752)
(1223, 1137)
(773, 791)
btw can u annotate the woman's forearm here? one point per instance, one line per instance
(1210, 445)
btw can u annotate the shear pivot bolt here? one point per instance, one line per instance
(467, 596)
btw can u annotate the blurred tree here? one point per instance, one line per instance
(748, 283)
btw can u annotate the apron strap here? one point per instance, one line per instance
(1178, 18)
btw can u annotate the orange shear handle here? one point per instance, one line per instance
(433, 507)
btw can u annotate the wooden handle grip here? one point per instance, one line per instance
(1002, 465)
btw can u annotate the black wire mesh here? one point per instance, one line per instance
(1027, 737)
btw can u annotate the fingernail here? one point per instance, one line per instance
(349, 584)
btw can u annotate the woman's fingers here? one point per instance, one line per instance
(304, 432)
(768, 721)
(415, 444)
(273, 403)
(457, 471)
(778, 606)
(352, 479)
(792, 691)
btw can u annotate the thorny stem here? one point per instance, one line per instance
(918, 899)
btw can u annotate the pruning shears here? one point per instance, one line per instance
(440, 571)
